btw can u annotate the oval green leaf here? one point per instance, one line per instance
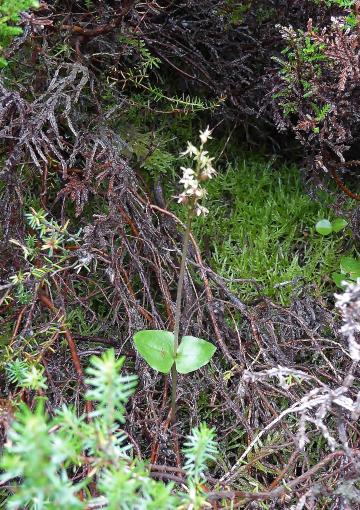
(354, 277)
(323, 227)
(350, 265)
(338, 278)
(157, 348)
(338, 224)
(192, 354)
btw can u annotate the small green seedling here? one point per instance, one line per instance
(349, 270)
(157, 348)
(325, 227)
(161, 349)
(349, 266)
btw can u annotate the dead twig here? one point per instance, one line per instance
(46, 301)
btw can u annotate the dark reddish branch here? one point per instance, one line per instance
(281, 475)
(282, 490)
(129, 221)
(46, 301)
(210, 300)
(339, 182)
(102, 29)
(18, 322)
(145, 313)
(155, 447)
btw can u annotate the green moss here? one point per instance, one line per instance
(237, 10)
(261, 226)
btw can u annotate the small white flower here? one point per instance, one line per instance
(189, 182)
(208, 173)
(192, 178)
(205, 135)
(191, 150)
(200, 192)
(201, 210)
(187, 173)
(204, 159)
(183, 198)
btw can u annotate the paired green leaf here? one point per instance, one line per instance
(350, 265)
(192, 354)
(338, 278)
(325, 227)
(338, 224)
(350, 271)
(157, 349)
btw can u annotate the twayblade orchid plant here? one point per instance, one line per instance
(161, 349)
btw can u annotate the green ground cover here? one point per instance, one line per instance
(261, 226)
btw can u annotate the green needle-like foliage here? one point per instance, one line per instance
(42, 453)
(200, 448)
(37, 457)
(9, 18)
(110, 393)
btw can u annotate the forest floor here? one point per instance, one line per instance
(92, 124)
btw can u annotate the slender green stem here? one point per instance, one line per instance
(178, 312)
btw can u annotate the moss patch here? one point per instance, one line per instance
(261, 226)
